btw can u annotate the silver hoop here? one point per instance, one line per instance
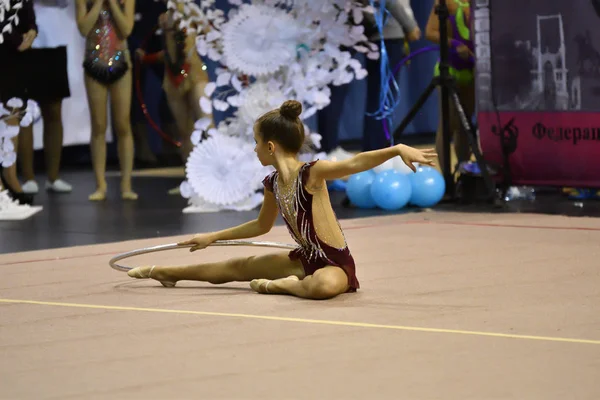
(173, 246)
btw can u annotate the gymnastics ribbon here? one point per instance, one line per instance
(140, 95)
(389, 93)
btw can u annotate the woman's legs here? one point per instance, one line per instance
(97, 95)
(120, 97)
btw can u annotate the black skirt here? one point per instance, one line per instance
(36, 74)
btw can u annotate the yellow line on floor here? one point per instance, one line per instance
(306, 321)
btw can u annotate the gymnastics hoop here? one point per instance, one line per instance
(173, 246)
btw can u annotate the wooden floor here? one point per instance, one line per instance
(452, 306)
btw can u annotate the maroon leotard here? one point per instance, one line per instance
(312, 251)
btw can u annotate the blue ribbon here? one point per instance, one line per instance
(389, 94)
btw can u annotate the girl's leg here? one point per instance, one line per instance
(242, 269)
(439, 137)
(97, 95)
(183, 118)
(25, 153)
(120, 97)
(53, 140)
(462, 146)
(10, 173)
(324, 284)
(195, 113)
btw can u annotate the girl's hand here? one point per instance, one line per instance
(463, 52)
(163, 20)
(410, 155)
(28, 39)
(199, 242)
(414, 35)
(140, 54)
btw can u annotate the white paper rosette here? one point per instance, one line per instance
(261, 39)
(222, 169)
(11, 110)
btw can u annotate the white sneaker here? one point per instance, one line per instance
(30, 187)
(11, 210)
(58, 186)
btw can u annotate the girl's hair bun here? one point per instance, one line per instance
(291, 109)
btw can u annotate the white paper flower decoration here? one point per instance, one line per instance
(220, 168)
(261, 39)
(268, 51)
(13, 109)
(9, 13)
(260, 98)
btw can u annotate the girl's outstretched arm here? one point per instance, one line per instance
(260, 226)
(329, 170)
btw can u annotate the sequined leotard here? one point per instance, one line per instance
(296, 208)
(106, 54)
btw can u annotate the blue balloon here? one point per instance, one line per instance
(391, 190)
(428, 187)
(337, 185)
(358, 189)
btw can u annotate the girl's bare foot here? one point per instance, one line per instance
(98, 195)
(129, 195)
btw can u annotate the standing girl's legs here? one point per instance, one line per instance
(9, 174)
(120, 98)
(53, 139)
(53, 143)
(439, 136)
(97, 95)
(462, 146)
(182, 113)
(193, 99)
(25, 154)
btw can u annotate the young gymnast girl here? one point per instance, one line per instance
(185, 77)
(106, 24)
(321, 267)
